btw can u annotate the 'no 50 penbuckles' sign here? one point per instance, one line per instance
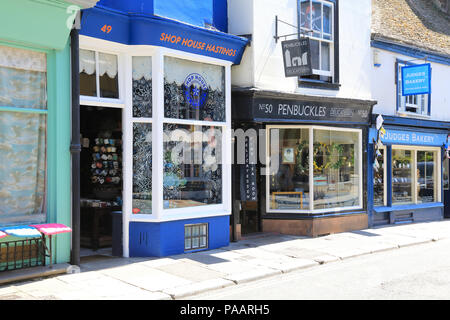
(296, 57)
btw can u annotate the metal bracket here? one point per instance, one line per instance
(299, 32)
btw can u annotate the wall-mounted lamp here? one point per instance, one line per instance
(376, 58)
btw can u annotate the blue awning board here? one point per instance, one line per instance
(142, 29)
(407, 137)
(22, 232)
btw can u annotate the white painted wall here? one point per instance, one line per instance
(384, 86)
(262, 65)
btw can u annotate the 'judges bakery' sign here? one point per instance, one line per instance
(275, 109)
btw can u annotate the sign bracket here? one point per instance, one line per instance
(298, 33)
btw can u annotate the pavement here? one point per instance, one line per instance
(104, 277)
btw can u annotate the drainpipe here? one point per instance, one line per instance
(75, 146)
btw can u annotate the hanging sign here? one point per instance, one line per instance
(248, 186)
(416, 79)
(296, 57)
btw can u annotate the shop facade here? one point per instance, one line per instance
(408, 173)
(304, 159)
(171, 83)
(35, 104)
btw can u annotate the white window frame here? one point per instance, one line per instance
(310, 34)
(102, 46)
(311, 210)
(437, 172)
(421, 100)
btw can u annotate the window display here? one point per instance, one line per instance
(426, 176)
(335, 179)
(289, 184)
(142, 168)
(379, 180)
(336, 173)
(192, 165)
(402, 169)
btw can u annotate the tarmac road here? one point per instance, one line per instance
(415, 272)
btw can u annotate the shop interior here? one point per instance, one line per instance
(101, 181)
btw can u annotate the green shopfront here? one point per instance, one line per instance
(35, 122)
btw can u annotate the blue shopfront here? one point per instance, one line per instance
(406, 180)
(170, 82)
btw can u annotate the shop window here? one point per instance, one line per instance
(194, 93)
(415, 104)
(415, 175)
(192, 165)
(195, 236)
(23, 133)
(379, 179)
(402, 175)
(142, 134)
(142, 168)
(193, 90)
(426, 176)
(98, 74)
(336, 173)
(289, 183)
(329, 179)
(316, 21)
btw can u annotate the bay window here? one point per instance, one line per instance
(314, 169)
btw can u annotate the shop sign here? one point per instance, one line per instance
(411, 138)
(296, 57)
(195, 90)
(275, 109)
(416, 79)
(248, 186)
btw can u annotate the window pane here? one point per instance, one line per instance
(336, 169)
(314, 45)
(192, 165)
(426, 178)
(23, 88)
(327, 19)
(289, 168)
(305, 14)
(325, 56)
(142, 87)
(445, 174)
(193, 90)
(109, 83)
(317, 18)
(88, 85)
(142, 168)
(22, 168)
(378, 180)
(401, 176)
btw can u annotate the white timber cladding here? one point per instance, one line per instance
(125, 101)
(262, 64)
(384, 88)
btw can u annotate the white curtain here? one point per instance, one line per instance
(23, 59)
(142, 68)
(107, 63)
(87, 61)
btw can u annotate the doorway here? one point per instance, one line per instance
(101, 181)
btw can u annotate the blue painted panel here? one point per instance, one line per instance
(416, 79)
(195, 12)
(220, 15)
(167, 238)
(129, 6)
(140, 29)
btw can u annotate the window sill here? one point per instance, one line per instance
(412, 115)
(318, 85)
(409, 206)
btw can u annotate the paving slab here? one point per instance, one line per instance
(251, 275)
(198, 287)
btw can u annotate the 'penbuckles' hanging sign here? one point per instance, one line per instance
(416, 79)
(296, 57)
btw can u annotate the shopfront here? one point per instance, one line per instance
(310, 161)
(409, 173)
(171, 179)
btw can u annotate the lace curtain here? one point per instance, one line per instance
(22, 137)
(107, 63)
